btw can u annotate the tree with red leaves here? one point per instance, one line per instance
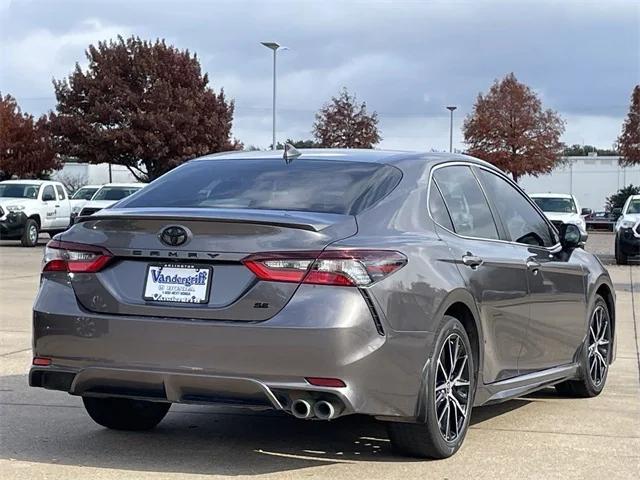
(509, 128)
(629, 140)
(143, 105)
(26, 149)
(343, 123)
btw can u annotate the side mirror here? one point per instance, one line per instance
(616, 212)
(586, 211)
(571, 237)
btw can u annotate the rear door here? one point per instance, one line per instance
(49, 209)
(63, 208)
(557, 282)
(493, 270)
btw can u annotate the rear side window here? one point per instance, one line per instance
(467, 205)
(437, 208)
(303, 185)
(47, 194)
(60, 190)
(522, 222)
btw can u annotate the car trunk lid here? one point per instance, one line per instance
(217, 238)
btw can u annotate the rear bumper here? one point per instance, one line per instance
(322, 332)
(12, 226)
(628, 243)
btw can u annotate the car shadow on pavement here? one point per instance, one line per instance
(195, 440)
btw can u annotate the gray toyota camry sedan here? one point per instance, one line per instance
(410, 287)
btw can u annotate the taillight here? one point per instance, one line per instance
(350, 268)
(74, 257)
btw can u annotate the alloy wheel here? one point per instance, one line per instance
(598, 349)
(33, 234)
(452, 387)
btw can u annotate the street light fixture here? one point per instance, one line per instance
(451, 109)
(273, 46)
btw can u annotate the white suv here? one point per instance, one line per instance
(628, 231)
(107, 195)
(28, 207)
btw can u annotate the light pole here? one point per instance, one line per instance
(273, 46)
(451, 109)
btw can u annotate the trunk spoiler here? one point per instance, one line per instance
(311, 221)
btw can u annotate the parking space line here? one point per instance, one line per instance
(16, 351)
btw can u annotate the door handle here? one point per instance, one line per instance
(471, 261)
(57, 206)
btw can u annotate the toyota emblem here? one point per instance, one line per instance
(174, 236)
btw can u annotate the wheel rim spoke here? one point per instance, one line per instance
(598, 347)
(451, 387)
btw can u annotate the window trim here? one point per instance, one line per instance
(553, 249)
(443, 202)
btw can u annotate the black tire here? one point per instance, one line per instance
(621, 258)
(53, 233)
(426, 440)
(586, 386)
(30, 234)
(125, 413)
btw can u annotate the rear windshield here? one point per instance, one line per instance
(85, 193)
(304, 185)
(556, 204)
(19, 190)
(114, 193)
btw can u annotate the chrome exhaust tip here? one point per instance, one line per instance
(325, 410)
(301, 409)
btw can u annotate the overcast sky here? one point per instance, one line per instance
(406, 59)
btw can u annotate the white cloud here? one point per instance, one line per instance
(595, 130)
(30, 62)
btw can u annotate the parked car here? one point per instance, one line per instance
(562, 209)
(600, 221)
(80, 197)
(408, 287)
(628, 231)
(28, 207)
(107, 195)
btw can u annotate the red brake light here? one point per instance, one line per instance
(72, 257)
(331, 267)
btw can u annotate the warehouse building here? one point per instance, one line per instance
(591, 179)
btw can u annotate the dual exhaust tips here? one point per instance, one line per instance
(322, 409)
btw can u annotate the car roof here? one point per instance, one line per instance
(551, 195)
(390, 157)
(135, 184)
(28, 182)
(634, 197)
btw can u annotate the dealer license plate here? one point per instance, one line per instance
(177, 283)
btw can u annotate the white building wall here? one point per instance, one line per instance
(590, 179)
(89, 174)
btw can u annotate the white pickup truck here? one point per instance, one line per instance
(28, 207)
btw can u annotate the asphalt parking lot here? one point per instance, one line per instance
(46, 434)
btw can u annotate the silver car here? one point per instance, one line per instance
(405, 286)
